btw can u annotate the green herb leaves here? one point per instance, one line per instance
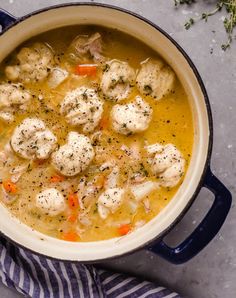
(229, 21)
(177, 2)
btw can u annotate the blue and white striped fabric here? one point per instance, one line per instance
(39, 277)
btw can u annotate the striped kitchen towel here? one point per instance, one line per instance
(38, 277)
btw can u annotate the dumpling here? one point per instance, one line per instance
(117, 80)
(132, 117)
(33, 140)
(155, 79)
(110, 201)
(167, 163)
(82, 107)
(75, 156)
(50, 201)
(34, 64)
(13, 98)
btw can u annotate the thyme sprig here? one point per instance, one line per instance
(229, 21)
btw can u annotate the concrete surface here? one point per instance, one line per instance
(212, 274)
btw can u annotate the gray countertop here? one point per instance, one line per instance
(211, 274)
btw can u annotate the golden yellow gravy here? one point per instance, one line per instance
(171, 123)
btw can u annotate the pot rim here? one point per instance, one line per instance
(209, 118)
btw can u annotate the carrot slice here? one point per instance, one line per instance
(86, 69)
(9, 186)
(73, 201)
(72, 218)
(104, 123)
(40, 162)
(124, 229)
(70, 236)
(57, 178)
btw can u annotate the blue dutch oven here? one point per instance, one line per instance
(150, 236)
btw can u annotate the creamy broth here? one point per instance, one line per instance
(171, 123)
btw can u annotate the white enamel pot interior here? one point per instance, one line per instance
(56, 17)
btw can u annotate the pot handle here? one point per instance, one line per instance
(205, 231)
(6, 19)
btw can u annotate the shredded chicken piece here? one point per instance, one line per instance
(17, 172)
(112, 178)
(87, 194)
(133, 206)
(3, 157)
(133, 151)
(138, 178)
(146, 204)
(81, 190)
(142, 190)
(7, 155)
(85, 47)
(56, 77)
(140, 223)
(84, 219)
(7, 197)
(107, 165)
(117, 224)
